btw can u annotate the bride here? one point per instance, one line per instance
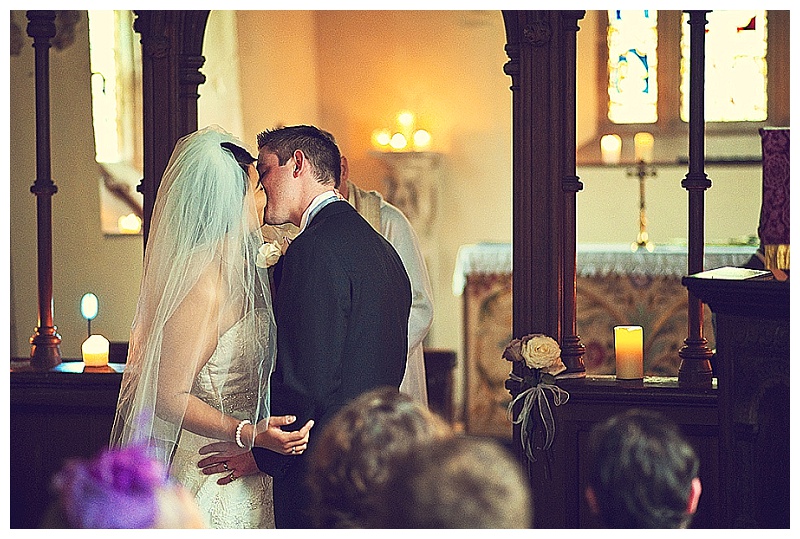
(203, 340)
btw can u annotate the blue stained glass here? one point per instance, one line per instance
(632, 66)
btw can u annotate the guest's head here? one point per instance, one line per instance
(464, 482)
(120, 488)
(643, 473)
(350, 464)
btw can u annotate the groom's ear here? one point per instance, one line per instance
(298, 159)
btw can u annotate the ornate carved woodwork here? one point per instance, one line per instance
(172, 43)
(752, 359)
(539, 45)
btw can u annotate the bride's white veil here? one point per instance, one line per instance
(200, 278)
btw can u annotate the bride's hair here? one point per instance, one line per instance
(242, 156)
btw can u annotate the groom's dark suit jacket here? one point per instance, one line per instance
(342, 304)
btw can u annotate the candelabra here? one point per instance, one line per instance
(642, 170)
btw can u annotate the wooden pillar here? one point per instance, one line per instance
(572, 349)
(539, 45)
(172, 43)
(45, 342)
(695, 368)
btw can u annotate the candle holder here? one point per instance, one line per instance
(642, 171)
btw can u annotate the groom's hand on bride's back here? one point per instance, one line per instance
(228, 459)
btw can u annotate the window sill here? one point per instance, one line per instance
(720, 149)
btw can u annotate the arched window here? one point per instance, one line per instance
(634, 64)
(736, 67)
(115, 56)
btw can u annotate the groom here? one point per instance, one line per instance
(342, 302)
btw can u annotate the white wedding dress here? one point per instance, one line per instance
(247, 501)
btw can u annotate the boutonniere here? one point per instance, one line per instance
(269, 253)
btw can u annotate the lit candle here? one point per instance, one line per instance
(422, 139)
(95, 351)
(398, 141)
(628, 345)
(129, 224)
(643, 147)
(381, 138)
(610, 149)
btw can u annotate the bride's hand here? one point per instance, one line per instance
(229, 459)
(280, 441)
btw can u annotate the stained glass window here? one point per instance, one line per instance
(736, 66)
(632, 66)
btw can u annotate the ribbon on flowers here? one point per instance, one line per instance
(534, 399)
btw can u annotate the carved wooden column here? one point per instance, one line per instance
(695, 368)
(45, 342)
(539, 45)
(572, 349)
(172, 43)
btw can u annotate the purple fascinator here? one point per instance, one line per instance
(114, 490)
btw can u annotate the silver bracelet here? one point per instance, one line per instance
(239, 427)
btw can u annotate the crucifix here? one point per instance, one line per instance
(643, 144)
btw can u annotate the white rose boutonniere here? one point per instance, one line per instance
(540, 357)
(268, 254)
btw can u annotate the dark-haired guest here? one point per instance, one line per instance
(643, 474)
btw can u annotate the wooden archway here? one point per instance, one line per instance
(539, 43)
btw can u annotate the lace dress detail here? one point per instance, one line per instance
(224, 384)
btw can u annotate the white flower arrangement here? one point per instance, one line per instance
(539, 352)
(540, 356)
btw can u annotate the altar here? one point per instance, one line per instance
(615, 286)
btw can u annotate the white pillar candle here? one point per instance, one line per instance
(610, 149)
(628, 348)
(95, 351)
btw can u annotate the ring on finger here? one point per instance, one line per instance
(225, 466)
(232, 476)
(294, 449)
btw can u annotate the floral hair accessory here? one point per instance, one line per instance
(540, 357)
(269, 253)
(115, 490)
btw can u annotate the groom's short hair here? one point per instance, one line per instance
(316, 144)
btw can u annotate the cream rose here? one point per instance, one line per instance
(268, 254)
(542, 352)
